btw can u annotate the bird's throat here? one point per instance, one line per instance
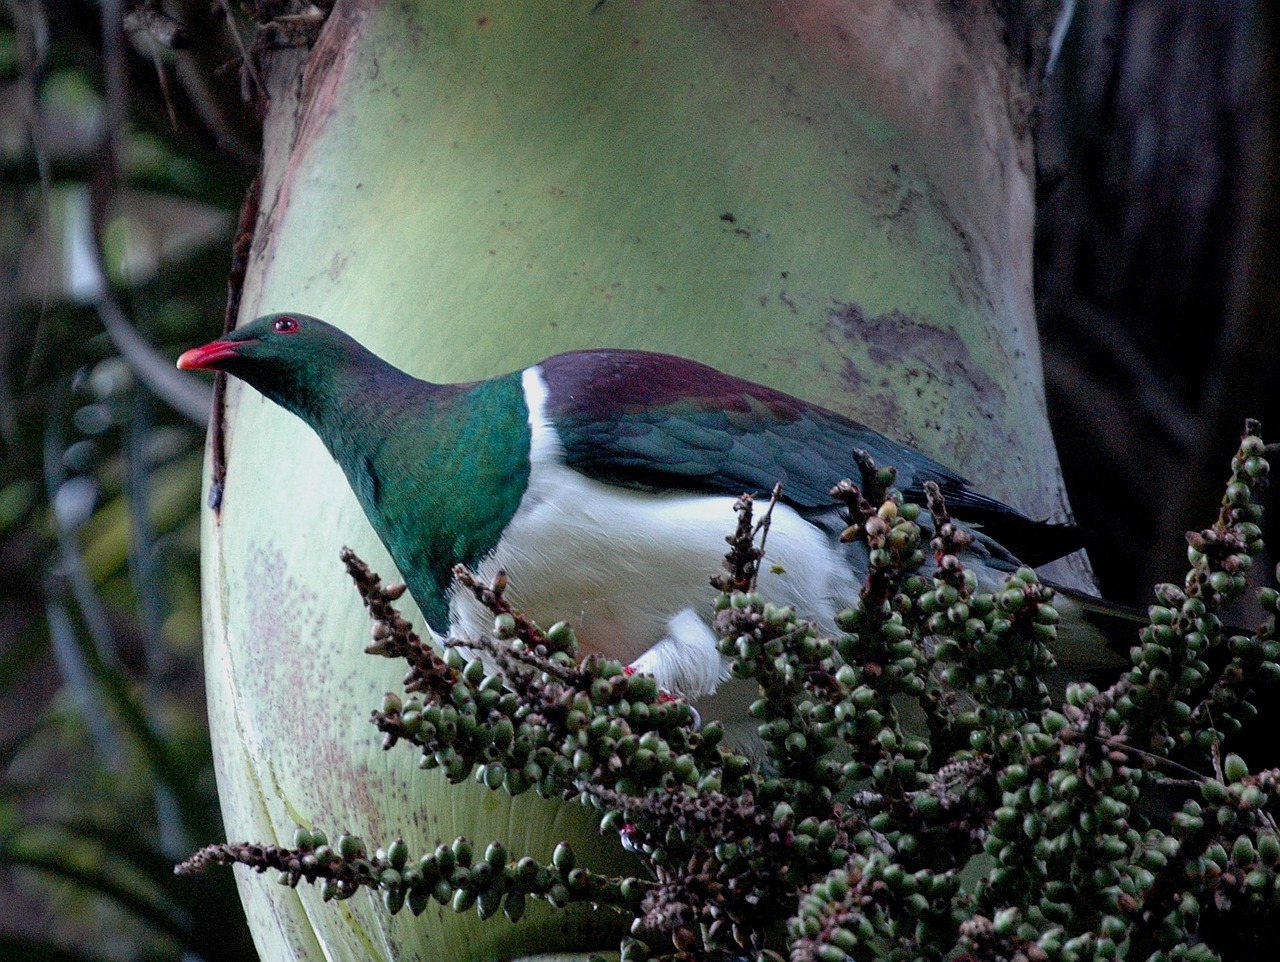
(438, 469)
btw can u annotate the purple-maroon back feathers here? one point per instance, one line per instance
(662, 422)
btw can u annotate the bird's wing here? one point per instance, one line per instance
(662, 423)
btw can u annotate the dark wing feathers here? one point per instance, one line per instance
(661, 422)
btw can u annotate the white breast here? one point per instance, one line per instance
(630, 569)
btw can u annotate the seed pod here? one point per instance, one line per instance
(488, 902)
(513, 906)
(462, 900)
(1234, 768)
(393, 899)
(1214, 792)
(419, 898)
(350, 847)
(1242, 852)
(562, 635)
(563, 859)
(398, 854)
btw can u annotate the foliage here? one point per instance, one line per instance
(116, 214)
(918, 793)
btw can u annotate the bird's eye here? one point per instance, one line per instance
(285, 325)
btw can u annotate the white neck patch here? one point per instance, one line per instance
(545, 446)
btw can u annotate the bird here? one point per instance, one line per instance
(602, 482)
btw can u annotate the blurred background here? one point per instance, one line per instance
(1158, 282)
(109, 133)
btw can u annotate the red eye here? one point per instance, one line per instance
(285, 325)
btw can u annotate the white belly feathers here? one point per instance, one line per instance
(629, 569)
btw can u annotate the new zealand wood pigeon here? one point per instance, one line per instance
(603, 483)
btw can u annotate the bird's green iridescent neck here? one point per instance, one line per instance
(438, 469)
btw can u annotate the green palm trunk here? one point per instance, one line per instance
(834, 199)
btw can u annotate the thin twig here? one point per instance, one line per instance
(250, 64)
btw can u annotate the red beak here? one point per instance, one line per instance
(208, 357)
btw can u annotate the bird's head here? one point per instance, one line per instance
(288, 357)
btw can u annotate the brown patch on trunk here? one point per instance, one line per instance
(963, 107)
(852, 377)
(324, 73)
(896, 337)
(304, 88)
(909, 354)
(235, 285)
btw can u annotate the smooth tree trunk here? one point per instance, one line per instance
(833, 198)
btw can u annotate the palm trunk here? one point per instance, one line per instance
(832, 198)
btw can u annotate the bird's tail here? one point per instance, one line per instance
(1094, 635)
